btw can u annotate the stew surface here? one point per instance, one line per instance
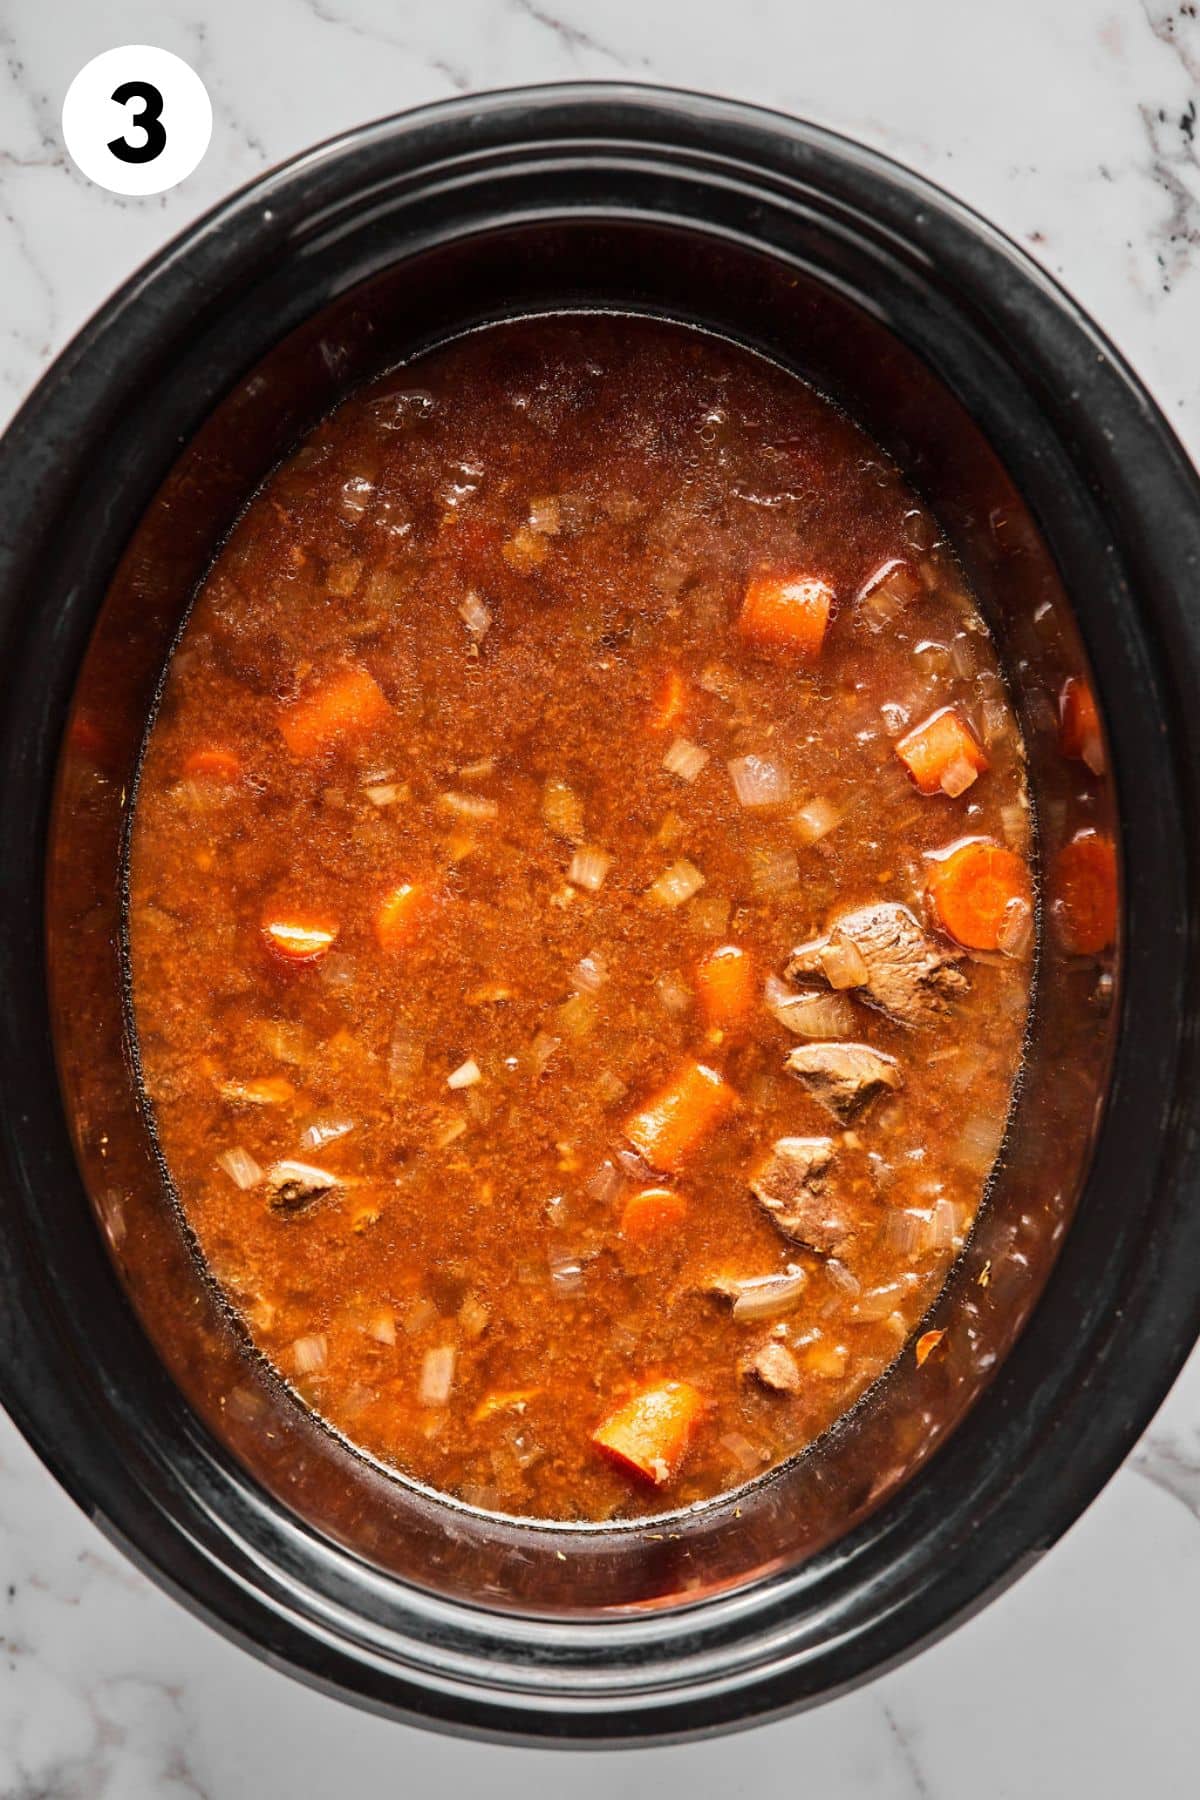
(580, 917)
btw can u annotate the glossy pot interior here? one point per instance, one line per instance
(1004, 411)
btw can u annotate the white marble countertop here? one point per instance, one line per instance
(1073, 125)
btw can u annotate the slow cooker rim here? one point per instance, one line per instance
(599, 95)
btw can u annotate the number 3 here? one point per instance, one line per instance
(147, 120)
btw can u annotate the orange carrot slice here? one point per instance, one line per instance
(788, 613)
(299, 937)
(973, 890)
(649, 1435)
(942, 753)
(212, 762)
(679, 1115)
(1084, 894)
(398, 914)
(725, 985)
(1079, 724)
(349, 702)
(652, 1213)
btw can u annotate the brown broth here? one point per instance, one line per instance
(606, 488)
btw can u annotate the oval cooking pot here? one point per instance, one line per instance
(1023, 428)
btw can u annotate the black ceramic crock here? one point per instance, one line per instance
(1017, 419)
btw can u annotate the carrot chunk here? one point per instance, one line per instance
(649, 1435)
(299, 937)
(787, 612)
(671, 702)
(350, 701)
(1084, 894)
(1079, 724)
(942, 753)
(212, 763)
(725, 985)
(679, 1115)
(397, 915)
(975, 889)
(652, 1213)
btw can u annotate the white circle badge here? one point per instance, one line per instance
(137, 120)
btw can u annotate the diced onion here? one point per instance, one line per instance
(475, 615)
(419, 1315)
(906, 1233)
(1016, 928)
(962, 656)
(588, 868)
(610, 1088)
(808, 1015)
(710, 914)
(354, 495)
(577, 1015)
(886, 593)
(842, 965)
(324, 1131)
(382, 1326)
(877, 1303)
(757, 782)
(716, 678)
(437, 1375)
(773, 871)
(761, 1296)
(544, 515)
(478, 770)
(562, 810)
(268, 1090)
(604, 1184)
(567, 1271)
(1014, 823)
(543, 1049)
(815, 820)
(944, 1229)
(240, 1167)
(979, 1141)
(470, 806)
(466, 1074)
(310, 1353)
(449, 1132)
(473, 1316)
(994, 720)
(406, 1058)
(931, 658)
(842, 1278)
(685, 759)
(676, 884)
(748, 1457)
(383, 793)
(674, 993)
(591, 972)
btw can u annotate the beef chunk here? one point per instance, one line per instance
(776, 1367)
(844, 1077)
(789, 1185)
(291, 1186)
(905, 972)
